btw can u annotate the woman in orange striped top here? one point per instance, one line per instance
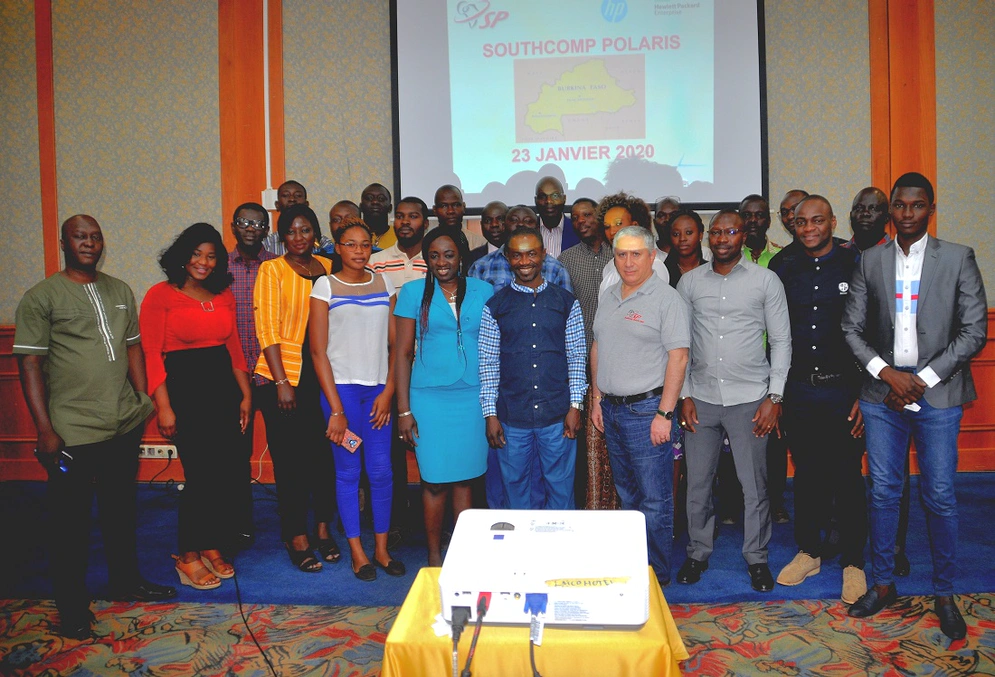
(302, 464)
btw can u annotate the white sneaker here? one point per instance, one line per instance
(800, 568)
(854, 584)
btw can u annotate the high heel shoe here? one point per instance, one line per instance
(217, 564)
(328, 549)
(303, 559)
(193, 574)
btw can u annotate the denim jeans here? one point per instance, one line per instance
(935, 434)
(556, 456)
(644, 475)
(497, 495)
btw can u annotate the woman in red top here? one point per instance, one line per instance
(200, 385)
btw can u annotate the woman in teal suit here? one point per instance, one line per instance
(437, 384)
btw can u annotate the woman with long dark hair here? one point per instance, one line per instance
(351, 330)
(302, 463)
(200, 385)
(438, 384)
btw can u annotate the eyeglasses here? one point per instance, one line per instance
(543, 198)
(718, 232)
(353, 246)
(248, 224)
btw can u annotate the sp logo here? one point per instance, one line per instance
(844, 288)
(477, 14)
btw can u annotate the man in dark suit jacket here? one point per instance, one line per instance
(493, 228)
(915, 316)
(557, 231)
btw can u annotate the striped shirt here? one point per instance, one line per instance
(281, 300)
(396, 265)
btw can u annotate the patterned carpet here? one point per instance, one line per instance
(770, 638)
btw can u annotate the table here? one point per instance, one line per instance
(413, 649)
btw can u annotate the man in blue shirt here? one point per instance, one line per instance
(532, 377)
(495, 269)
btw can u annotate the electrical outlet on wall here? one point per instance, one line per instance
(157, 451)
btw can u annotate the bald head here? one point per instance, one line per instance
(78, 219)
(869, 217)
(449, 207)
(82, 244)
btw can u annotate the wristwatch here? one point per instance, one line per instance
(669, 415)
(579, 406)
(775, 398)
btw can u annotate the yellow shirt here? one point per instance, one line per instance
(281, 301)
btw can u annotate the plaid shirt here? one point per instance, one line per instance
(243, 274)
(585, 267)
(489, 345)
(495, 269)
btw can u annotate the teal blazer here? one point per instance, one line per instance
(446, 354)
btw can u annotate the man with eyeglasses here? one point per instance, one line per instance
(249, 225)
(915, 316)
(732, 388)
(557, 232)
(449, 209)
(375, 204)
(533, 378)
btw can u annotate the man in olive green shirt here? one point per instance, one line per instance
(83, 376)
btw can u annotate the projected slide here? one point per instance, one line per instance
(615, 94)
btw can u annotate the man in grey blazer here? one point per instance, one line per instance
(915, 316)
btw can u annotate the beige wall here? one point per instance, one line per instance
(136, 116)
(22, 258)
(965, 127)
(818, 102)
(337, 98)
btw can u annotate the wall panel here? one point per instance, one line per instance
(22, 257)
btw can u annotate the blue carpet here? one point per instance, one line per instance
(265, 575)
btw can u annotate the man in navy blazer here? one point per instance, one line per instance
(915, 316)
(558, 233)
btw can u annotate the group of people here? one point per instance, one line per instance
(597, 358)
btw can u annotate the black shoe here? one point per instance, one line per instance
(902, 564)
(77, 626)
(395, 567)
(328, 549)
(242, 540)
(144, 591)
(951, 622)
(366, 573)
(690, 571)
(871, 602)
(760, 577)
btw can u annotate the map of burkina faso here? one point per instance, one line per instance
(584, 90)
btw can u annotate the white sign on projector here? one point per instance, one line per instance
(589, 567)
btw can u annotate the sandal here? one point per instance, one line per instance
(303, 559)
(214, 561)
(195, 574)
(328, 549)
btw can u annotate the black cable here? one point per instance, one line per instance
(245, 621)
(460, 615)
(169, 459)
(481, 612)
(532, 658)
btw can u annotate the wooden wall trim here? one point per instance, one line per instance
(45, 77)
(241, 94)
(903, 91)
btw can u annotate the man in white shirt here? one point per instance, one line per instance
(915, 316)
(554, 225)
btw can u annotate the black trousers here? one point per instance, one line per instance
(205, 397)
(303, 465)
(827, 467)
(107, 469)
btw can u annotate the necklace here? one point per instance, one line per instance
(306, 269)
(450, 294)
(688, 269)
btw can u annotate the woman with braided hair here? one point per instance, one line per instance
(438, 387)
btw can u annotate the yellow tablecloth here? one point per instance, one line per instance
(503, 651)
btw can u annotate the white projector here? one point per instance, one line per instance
(581, 567)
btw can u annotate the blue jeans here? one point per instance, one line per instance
(557, 458)
(644, 475)
(357, 401)
(497, 496)
(935, 434)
